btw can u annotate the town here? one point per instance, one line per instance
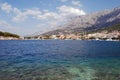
(8, 38)
(103, 35)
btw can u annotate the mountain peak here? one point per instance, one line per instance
(91, 21)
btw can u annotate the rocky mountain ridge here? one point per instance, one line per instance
(89, 22)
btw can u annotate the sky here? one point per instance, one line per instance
(25, 17)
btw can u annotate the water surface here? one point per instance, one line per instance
(59, 60)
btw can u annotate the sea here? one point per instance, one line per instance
(59, 60)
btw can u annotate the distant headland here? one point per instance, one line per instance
(8, 36)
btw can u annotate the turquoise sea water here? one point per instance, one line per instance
(59, 60)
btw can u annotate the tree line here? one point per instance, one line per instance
(7, 34)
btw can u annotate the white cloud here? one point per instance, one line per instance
(54, 19)
(19, 16)
(76, 3)
(5, 26)
(61, 13)
(6, 7)
(70, 11)
(48, 16)
(50, 19)
(22, 15)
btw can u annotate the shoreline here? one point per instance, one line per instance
(57, 39)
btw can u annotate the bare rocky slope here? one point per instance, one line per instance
(89, 22)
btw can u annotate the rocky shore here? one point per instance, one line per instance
(9, 38)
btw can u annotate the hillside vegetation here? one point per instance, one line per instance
(108, 28)
(7, 34)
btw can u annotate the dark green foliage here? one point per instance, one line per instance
(112, 28)
(109, 29)
(1, 33)
(7, 34)
(92, 38)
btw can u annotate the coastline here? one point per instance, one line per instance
(58, 40)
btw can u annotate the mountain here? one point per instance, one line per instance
(109, 29)
(89, 22)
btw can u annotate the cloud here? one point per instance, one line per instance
(51, 19)
(19, 16)
(68, 11)
(5, 26)
(6, 7)
(48, 15)
(76, 3)
(61, 13)
(22, 15)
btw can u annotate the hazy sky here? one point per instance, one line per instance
(29, 16)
